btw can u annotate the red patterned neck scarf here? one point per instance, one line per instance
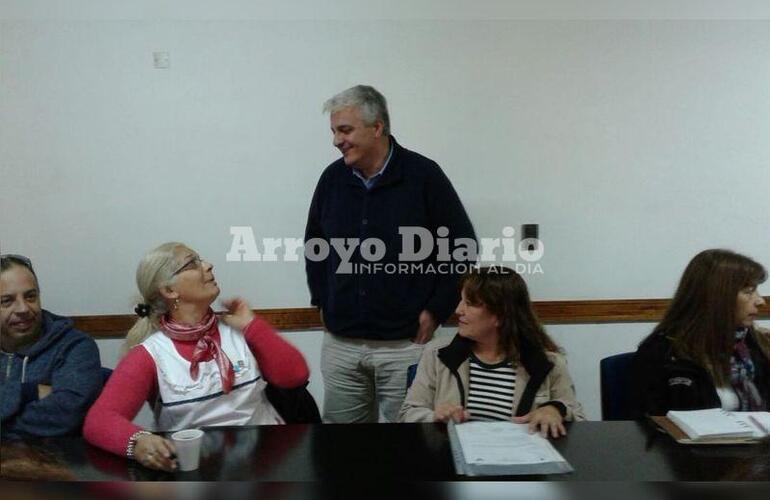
(206, 348)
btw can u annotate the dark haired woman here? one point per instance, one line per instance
(706, 352)
(501, 365)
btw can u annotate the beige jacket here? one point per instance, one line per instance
(435, 383)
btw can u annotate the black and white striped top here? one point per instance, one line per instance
(490, 392)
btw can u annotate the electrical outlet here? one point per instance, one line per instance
(530, 231)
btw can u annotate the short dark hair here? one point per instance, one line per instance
(9, 260)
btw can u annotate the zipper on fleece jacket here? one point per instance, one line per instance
(24, 369)
(8, 366)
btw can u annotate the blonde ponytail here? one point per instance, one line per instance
(154, 271)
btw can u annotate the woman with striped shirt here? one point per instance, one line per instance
(501, 365)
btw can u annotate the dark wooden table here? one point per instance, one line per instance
(598, 451)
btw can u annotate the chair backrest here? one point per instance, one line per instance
(106, 373)
(615, 382)
(296, 406)
(411, 372)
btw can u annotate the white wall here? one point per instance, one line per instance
(633, 143)
(394, 9)
(630, 142)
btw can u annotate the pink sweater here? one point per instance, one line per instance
(108, 423)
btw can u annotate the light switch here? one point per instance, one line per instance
(161, 60)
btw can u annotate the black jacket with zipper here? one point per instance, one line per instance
(662, 381)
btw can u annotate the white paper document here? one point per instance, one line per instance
(715, 423)
(759, 421)
(503, 448)
(709, 424)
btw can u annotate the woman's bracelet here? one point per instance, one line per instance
(132, 442)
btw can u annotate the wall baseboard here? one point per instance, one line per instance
(549, 312)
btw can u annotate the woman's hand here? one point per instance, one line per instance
(155, 452)
(546, 419)
(446, 412)
(238, 313)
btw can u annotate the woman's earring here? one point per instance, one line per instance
(176, 304)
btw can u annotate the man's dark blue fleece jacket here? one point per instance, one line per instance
(412, 191)
(64, 358)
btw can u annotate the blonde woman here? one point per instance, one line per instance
(194, 368)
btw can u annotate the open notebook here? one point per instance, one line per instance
(714, 426)
(502, 449)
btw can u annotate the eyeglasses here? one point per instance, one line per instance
(7, 259)
(193, 263)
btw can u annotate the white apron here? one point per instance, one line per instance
(185, 403)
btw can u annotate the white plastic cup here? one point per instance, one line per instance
(188, 448)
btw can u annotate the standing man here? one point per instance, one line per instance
(50, 373)
(378, 318)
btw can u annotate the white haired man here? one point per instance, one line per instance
(378, 317)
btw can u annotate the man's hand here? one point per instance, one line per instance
(426, 328)
(446, 412)
(238, 313)
(546, 419)
(43, 390)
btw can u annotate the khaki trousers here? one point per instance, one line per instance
(365, 379)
